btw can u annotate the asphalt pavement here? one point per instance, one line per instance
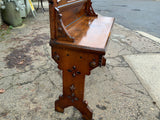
(141, 15)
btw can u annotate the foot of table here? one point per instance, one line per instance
(82, 106)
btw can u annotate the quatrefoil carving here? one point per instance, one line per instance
(74, 71)
(72, 97)
(72, 88)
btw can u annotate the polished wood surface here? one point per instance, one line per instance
(69, 15)
(78, 41)
(91, 32)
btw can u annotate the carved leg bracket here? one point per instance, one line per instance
(82, 106)
(73, 94)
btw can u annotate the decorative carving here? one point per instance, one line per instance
(74, 71)
(53, 2)
(93, 64)
(72, 88)
(56, 57)
(102, 61)
(50, 1)
(72, 96)
(90, 11)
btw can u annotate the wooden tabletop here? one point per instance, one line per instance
(90, 32)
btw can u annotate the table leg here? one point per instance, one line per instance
(73, 94)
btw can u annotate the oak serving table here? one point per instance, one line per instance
(78, 40)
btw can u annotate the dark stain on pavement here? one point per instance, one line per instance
(120, 5)
(101, 107)
(136, 10)
(18, 57)
(100, 118)
(4, 113)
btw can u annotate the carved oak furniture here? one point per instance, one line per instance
(78, 41)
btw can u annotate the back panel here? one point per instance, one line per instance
(72, 10)
(62, 2)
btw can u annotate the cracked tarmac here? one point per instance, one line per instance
(32, 81)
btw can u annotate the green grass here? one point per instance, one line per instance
(4, 32)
